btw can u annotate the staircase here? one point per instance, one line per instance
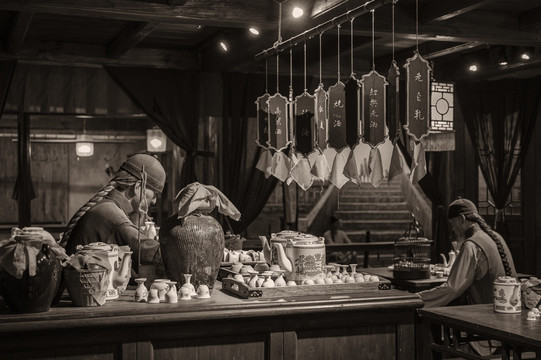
(383, 211)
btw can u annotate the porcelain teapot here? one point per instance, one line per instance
(269, 250)
(120, 267)
(302, 258)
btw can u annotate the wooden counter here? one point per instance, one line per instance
(378, 323)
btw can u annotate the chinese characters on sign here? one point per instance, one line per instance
(278, 122)
(262, 120)
(304, 120)
(320, 117)
(336, 128)
(373, 108)
(418, 96)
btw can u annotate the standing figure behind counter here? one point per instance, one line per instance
(483, 257)
(115, 213)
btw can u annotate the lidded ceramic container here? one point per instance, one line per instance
(507, 297)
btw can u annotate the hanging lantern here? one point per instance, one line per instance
(84, 146)
(156, 140)
(442, 104)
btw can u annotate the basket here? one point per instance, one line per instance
(86, 287)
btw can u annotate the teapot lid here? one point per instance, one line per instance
(286, 234)
(101, 246)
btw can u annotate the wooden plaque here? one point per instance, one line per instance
(352, 90)
(321, 117)
(262, 120)
(304, 119)
(373, 108)
(417, 96)
(278, 122)
(337, 114)
(393, 101)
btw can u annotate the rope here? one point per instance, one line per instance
(373, 42)
(338, 27)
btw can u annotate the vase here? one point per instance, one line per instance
(171, 296)
(162, 285)
(141, 292)
(188, 285)
(32, 293)
(192, 245)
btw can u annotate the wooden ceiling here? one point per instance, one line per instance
(185, 34)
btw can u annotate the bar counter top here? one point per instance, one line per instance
(139, 330)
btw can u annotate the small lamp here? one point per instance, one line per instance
(84, 146)
(156, 140)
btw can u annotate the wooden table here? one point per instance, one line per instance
(409, 285)
(466, 323)
(345, 326)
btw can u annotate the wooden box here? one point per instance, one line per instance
(238, 288)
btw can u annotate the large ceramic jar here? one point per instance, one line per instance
(192, 245)
(30, 270)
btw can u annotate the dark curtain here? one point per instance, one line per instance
(242, 183)
(7, 69)
(500, 116)
(170, 98)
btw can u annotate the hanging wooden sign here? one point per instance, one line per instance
(352, 111)
(262, 120)
(393, 108)
(336, 129)
(373, 108)
(305, 105)
(417, 96)
(278, 122)
(320, 117)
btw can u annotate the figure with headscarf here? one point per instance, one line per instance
(115, 213)
(483, 257)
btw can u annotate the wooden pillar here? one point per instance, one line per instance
(24, 184)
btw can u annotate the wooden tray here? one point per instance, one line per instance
(226, 263)
(244, 291)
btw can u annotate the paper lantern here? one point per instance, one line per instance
(156, 140)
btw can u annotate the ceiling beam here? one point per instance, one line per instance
(89, 55)
(211, 13)
(495, 29)
(530, 18)
(18, 30)
(129, 37)
(444, 10)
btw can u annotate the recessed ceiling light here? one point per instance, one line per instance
(254, 31)
(223, 45)
(473, 68)
(297, 12)
(525, 56)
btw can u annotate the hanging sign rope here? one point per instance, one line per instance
(352, 103)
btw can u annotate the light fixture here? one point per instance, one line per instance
(502, 57)
(297, 12)
(84, 146)
(254, 31)
(473, 68)
(223, 46)
(156, 140)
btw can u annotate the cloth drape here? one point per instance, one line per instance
(500, 117)
(169, 97)
(246, 186)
